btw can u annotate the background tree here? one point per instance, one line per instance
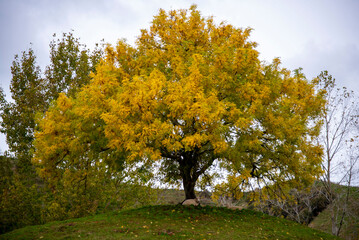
(339, 141)
(189, 93)
(32, 92)
(69, 69)
(18, 202)
(18, 117)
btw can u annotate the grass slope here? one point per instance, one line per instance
(350, 228)
(172, 222)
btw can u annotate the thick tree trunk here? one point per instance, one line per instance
(189, 178)
(188, 186)
(191, 169)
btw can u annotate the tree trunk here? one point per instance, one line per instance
(189, 178)
(188, 186)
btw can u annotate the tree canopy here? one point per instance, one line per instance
(188, 93)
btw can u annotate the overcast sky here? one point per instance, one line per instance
(313, 34)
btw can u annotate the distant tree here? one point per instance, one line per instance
(18, 117)
(338, 139)
(31, 93)
(189, 93)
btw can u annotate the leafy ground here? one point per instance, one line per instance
(172, 222)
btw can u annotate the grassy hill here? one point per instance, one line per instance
(172, 222)
(350, 228)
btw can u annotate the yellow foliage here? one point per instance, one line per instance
(191, 92)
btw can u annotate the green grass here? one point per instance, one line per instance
(172, 222)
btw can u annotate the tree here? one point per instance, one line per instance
(189, 93)
(69, 69)
(18, 117)
(339, 119)
(32, 92)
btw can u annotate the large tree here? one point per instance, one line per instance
(189, 92)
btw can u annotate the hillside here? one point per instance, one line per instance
(172, 222)
(350, 228)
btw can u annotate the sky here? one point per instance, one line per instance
(316, 35)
